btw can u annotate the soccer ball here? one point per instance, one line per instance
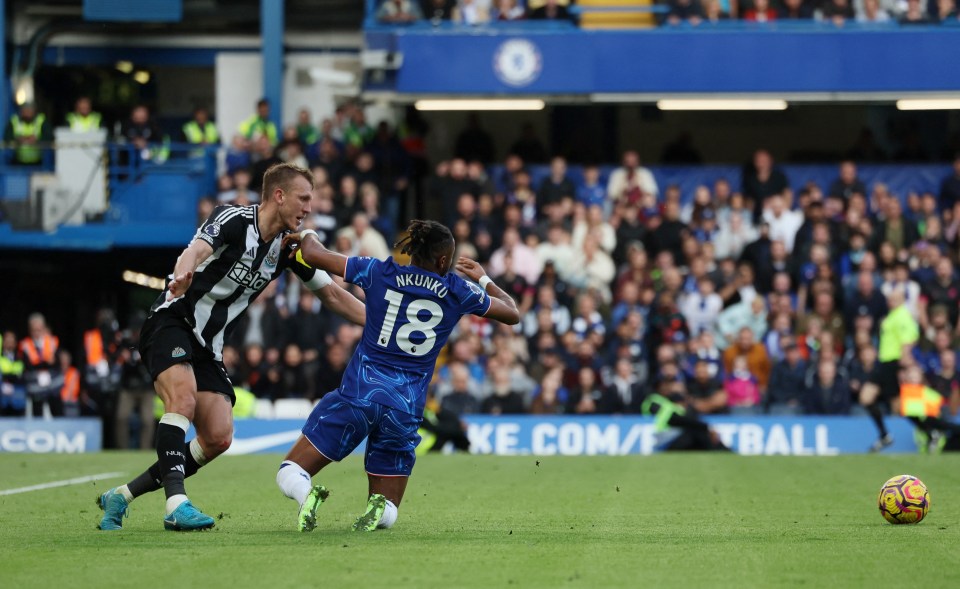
(904, 499)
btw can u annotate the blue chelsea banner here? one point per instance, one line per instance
(613, 436)
(40, 436)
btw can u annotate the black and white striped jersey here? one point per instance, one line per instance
(237, 271)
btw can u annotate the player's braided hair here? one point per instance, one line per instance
(425, 240)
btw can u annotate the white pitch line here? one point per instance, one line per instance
(64, 483)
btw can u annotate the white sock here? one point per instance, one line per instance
(125, 491)
(196, 450)
(389, 516)
(294, 481)
(174, 502)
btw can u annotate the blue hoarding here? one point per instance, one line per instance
(571, 436)
(39, 436)
(673, 60)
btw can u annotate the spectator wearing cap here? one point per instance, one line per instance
(786, 393)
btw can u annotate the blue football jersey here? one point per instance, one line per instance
(410, 314)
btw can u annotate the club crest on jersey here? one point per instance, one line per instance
(476, 289)
(178, 352)
(273, 256)
(213, 229)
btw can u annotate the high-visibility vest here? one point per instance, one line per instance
(194, 134)
(255, 126)
(36, 357)
(93, 344)
(10, 367)
(70, 392)
(81, 124)
(27, 154)
(663, 412)
(917, 400)
(308, 134)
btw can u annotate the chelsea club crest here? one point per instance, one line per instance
(517, 62)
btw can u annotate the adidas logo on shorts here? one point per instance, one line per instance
(178, 352)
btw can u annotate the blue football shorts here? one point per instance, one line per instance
(338, 424)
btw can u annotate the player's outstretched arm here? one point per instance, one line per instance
(502, 306)
(309, 248)
(187, 263)
(342, 303)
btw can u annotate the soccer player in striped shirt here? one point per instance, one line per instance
(232, 258)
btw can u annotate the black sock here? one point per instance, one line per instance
(172, 454)
(151, 480)
(877, 417)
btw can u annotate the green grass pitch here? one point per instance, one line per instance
(478, 521)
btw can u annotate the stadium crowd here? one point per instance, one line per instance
(676, 12)
(744, 302)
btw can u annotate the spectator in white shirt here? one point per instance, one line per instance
(558, 250)
(784, 223)
(364, 239)
(629, 182)
(702, 307)
(593, 268)
(593, 223)
(733, 237)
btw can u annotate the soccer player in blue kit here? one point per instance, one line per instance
(411, 311)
